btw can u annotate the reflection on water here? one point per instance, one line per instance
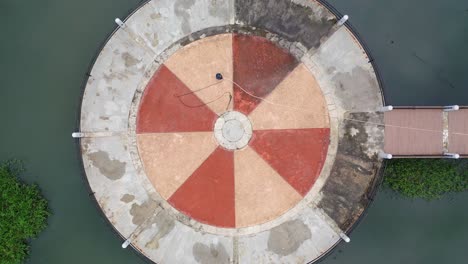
(47, 45)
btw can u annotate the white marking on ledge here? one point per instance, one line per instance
(126, 243)
(96, 134)
(452, 155)
(384, 155)
(78, 135)
(343, 20)
(120, 23)
(387, 108)
(345, 237)
(449, 108)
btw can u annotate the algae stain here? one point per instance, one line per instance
(129, 59)
(127, 198)
(165, 225)
(213, 254)
(286, 238)
(112, 169)
(141, 212)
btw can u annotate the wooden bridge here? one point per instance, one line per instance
(426, 132)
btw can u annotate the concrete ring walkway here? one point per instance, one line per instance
(223, 132)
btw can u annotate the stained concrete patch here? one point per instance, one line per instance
(129, 59)
(155, 16)
(356, 84)
(165, 225)
(181, 9)
(142, 212)
(293, 21)
(356, 169)
(213, 254)
(127, 198)
(112, 169)
(362, 134)
(286, 238)
(153, 38)
(218, 8)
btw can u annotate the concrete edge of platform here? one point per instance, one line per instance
(83, 85)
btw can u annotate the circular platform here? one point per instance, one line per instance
(216, 133)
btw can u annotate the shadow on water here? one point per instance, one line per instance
(420, 47)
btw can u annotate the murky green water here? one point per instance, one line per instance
(45, 49)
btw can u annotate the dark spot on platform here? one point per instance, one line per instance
(355, 173)
(165, 224)
(129, 59)
(155, 16)
(180, 9)
(127, 198)
(218, 8)
(142, 212)
(213, 254)
(286, 238)
(356, 86)
(153, 38)
(288, 19)
(112, 169)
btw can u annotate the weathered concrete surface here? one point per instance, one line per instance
(162, 22)
(180, 243)
(355, 170)
(345, 75)
(120, 182)
(286, 238)
(294, 241)
(114, 181)
(112, 84)
(301, 21)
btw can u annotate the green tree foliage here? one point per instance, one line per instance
(426, 178)
(23, 214)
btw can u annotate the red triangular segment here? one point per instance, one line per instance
(208, 195)
(297, 155)
(259, 66)
(163, 109)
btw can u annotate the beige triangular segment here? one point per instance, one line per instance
(297, 102)
(197, 64)
(170, 158)
(261, 193)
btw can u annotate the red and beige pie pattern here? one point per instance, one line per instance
(277, 163)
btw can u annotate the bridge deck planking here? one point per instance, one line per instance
(458, 132)
(414, 132)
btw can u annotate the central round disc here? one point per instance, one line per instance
(233, 130)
